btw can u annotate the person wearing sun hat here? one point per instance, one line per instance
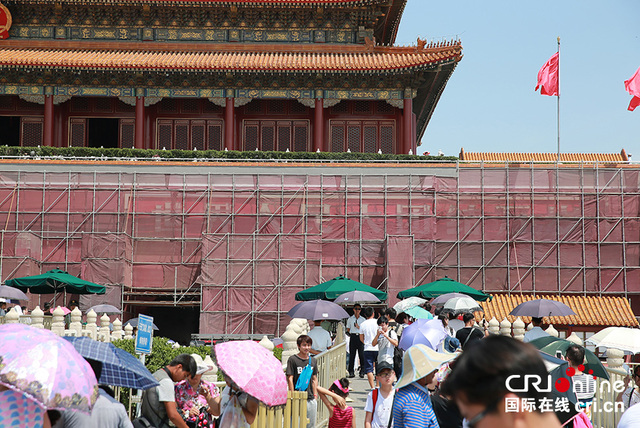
(194, 406)
(412, 406)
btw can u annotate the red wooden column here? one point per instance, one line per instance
(48, 121)
(229, 118)
(407, 125)
(139, 126)
(318, 126)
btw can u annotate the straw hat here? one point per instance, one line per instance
(420, 360)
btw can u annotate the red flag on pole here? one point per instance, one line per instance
(548, 76)
(633, 87)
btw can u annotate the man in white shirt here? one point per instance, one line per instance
(355, 345)
(321, 338)
(368, 331)
(630, 418)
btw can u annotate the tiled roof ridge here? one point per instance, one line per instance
(237, 3)
(543, 157)
(422, 47)
(590, 310)
(113, 56)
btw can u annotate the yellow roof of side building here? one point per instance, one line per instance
(590, 310)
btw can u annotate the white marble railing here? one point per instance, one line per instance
(57, 324)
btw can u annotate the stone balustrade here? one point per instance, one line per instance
(104, 331)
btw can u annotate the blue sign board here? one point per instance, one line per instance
(144, 335)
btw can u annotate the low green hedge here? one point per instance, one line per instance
(90, 152)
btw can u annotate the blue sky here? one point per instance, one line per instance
(489, 104)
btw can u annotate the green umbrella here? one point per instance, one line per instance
(55, 281)
(443, 286)
(331, 289)
(550, 344)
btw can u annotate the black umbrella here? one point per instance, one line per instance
(539, 308)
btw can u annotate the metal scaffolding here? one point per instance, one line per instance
(239, 241)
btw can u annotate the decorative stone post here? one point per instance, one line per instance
(505, 327)
(494, 326)
(289, 337)
(37, 318)
(575, 339)
(91, 329)
(529, 326)
(552, 331)
(340, 335)
(117, 332)
(12, 317)
(76, 322)
(518, 329)
(615, 358)
(104, 334)
(57, 326)
(211, 375)
(266, 343)
(128, 331)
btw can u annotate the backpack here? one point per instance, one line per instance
(305, 377)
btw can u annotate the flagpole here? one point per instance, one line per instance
(558, 118)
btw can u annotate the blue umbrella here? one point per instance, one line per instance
(318, 310)
(119, 368)
(133, 322)
(419, 313)
(429, 333)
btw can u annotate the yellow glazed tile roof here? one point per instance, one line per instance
(544, 157)
(207, 58)
(590, 310)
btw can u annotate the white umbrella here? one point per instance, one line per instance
(408, 303)
(622, 338)
(441, 300)
(462, 304)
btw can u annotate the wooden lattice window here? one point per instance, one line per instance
(362, 107)
(103, 104)
(367, 136)
(127, 133)
(190, 105)
(77, 132)
(6, 102)
(181, 136)
(80, 104)
(184, 134)
(165, 134)
(278, 135)
(198, 131)
(276, 107)
(383, 107)
(32, 131)
(214, 135)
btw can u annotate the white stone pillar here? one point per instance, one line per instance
(128, 331)
(518, 329)
(575, 339)
(494, 326)
(12, 317)
(76, 321)
(266, 343)
(117, 332)
(91, 329)
(615, 358)
(57, 325)
(289, 337)
(552, 331)
(104, 335)
(505, 327)
(37, 318)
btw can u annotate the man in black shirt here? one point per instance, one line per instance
(469, 334)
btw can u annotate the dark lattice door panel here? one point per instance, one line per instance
(340, 108)
(181, 129)
(268, 131)
(337, 137)
(190, 105)
(77, 132)
(254, 107)
(80, 104)
(370, 136)
(214, 135)
(276, 107)
(383, 107)
(198, 128)
(387, 136)
(301, 136)
(251, 134)
(165, 134)
(127, 133)
(32, 131)
(284, 136)
(353, 136)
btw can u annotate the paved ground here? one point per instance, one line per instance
(359, 396)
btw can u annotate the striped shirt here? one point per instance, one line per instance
(413, 409)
